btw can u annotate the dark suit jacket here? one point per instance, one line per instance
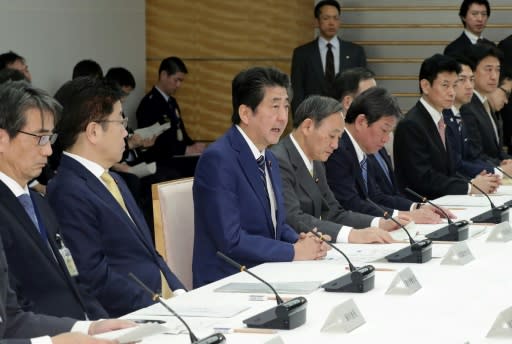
(346, 181)
(232, 212)
(308, 75)
(458, 140)
(308, 200)
(17, 324)
(482, 143)
(462, 45)
(152, 109)
(387, 186)
(104, 241)
(37, 272)
(421, 161)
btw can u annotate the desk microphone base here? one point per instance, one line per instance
(418, 253)
(496, 215)
(286, 316)
(456, 231)
(360, 280)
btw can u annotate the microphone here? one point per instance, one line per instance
(418, 252)
(216, 338)
(285, 316)
(358, 280)
(453, 232)
(495, 215)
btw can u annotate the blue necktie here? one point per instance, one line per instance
(26, 202)
(383, 165)
(364, 171)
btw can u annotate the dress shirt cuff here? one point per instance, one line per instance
(375, 222)
(41, 340)
(498, 172)
(81, 326)
(469, 189)
(395, 213)
(414, 206)
(343, 234)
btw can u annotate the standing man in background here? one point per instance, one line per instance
(316, 64)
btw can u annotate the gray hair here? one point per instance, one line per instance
(317, 108)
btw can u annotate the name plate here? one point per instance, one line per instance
(458, 254)
(502, 232)
(502, 326)
(275, 340)
(343, 318)
(404, 283)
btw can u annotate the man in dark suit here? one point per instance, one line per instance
(474, 15)
(456, 132)
(484, 127)
(39, 273)
(160, 106)
(101, 222)
(315, 64)
(505, 46)
(237, 189)
(370, 119)
(43, 282)
(318, 124)
(422, 158)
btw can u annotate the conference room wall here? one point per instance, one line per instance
(53, 35)
(218, 39)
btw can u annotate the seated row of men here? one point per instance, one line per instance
(250, 203)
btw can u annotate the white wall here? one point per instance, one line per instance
(53, 35)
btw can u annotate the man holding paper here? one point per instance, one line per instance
(159, 108)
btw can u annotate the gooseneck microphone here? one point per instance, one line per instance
(455, 231)
(495, 215)
(358, 280)
(285, 316)
(418, 252)
(216, 338)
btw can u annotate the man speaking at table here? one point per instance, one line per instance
(238, 201)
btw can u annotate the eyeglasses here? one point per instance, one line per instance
(507, 93)
(42, 139)
(123, 122)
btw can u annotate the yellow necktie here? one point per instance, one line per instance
(113, 189)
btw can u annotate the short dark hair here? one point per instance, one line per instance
(172, 65)
(16, 97)
(121, 76)
(248, 87)
(84, 100)
(8, 58)
(8, 74)
(464, 60)
(317, 108)
(374, 103)
(464, 7)
(323, 3)
(347, 83)
(87, 68)
(436, 64)
(480, 51)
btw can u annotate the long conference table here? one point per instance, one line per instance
(455, 304)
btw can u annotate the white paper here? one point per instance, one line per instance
(133, 334)
(226, 310)
(155, 129)
(143, 169)
(364, 253)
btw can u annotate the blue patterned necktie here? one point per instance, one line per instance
(261, 167)
(27, 204)
(364, 171)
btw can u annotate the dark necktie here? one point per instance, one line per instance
(329, 64)
(261, 168)
(383, 165)
(364, 171)
(27, 204)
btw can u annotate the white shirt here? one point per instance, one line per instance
(322, 45)
(472, 37)
(344, 230)
(272, 196)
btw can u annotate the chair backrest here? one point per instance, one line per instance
(173, 210)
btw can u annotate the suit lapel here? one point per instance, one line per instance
(11, 203)
(307, 183)
(250, 169)
(483, 118)
(349, 147)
